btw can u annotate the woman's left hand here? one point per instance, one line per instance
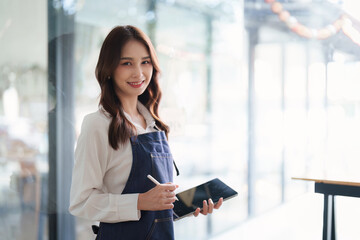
(208, 207)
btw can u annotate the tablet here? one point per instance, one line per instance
(193, 198)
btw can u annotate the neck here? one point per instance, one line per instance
(130, 106)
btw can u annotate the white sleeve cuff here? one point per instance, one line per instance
(127, 207)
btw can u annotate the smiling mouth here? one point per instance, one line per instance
(136, 84)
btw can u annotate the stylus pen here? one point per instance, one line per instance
(157, 183)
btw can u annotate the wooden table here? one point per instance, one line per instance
(331, 188)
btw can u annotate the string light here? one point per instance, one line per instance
(343, 23)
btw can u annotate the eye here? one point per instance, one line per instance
(126, 63)
(146, 62)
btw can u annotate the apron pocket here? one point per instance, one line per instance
(162, 166)
(161, 229)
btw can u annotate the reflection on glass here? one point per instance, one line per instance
(23, 121)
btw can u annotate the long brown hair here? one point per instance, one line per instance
(120, 128)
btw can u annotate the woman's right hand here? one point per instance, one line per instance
(160, 197)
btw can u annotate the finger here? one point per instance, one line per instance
(211, 205)
(169, 186)
(219, 203)
(197, 211)
(205, 208)
(173, 184)
(169, 194)
(168, 206)
(170, 183)
(169, 200)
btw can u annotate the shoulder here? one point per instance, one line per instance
(96, 121)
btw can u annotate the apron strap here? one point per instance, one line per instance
(95, 229)
(176, 168)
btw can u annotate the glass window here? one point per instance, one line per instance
(23, 120)
(303, 101)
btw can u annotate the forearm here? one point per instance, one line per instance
(106, 207)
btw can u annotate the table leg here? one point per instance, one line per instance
(333, 235)
(325, 218)
(329, 218)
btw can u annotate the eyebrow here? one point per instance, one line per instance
(129, 58)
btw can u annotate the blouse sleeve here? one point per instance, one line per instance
(87, 197)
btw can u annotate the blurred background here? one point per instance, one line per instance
(255, 92)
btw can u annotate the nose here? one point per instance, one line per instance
(138, 71)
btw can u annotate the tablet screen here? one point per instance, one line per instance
(193, 198)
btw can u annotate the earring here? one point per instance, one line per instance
(108, 77)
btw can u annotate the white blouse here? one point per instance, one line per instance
(100, 173)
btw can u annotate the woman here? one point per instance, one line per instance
(123, 142)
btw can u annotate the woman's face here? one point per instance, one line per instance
(133, 74)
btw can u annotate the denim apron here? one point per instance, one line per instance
(151, 155)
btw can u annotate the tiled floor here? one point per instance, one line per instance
(300, 219)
